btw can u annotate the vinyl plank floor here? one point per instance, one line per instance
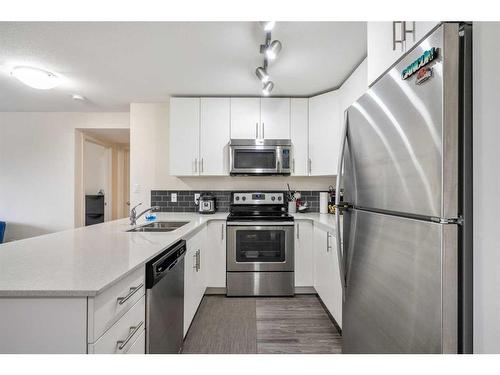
(223, 326)
(262, 325)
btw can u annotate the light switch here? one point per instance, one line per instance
(173, 197)
(136, 188)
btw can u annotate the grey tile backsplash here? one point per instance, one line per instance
(185, 200)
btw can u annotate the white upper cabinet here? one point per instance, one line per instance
(353, 88)
(184, 136)
(245, 118)
(214, 136)
(388, 41)
(324, 133)
(275, 118)
(299, 134)
(421, 30)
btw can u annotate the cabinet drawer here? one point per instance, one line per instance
(122, 335)
(139, 345)
(106, 308)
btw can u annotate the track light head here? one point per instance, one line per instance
(267, 88)
(273, 49)
(262, 74)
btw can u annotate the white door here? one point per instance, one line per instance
(214, 136)
(299, 134)
(215, 254)
(324, 134)
(275, 118)
(184, 136)
(245, 118)
(304, 253)
(380, 47)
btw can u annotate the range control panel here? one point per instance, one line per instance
(258, 198)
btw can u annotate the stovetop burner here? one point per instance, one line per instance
(258, 206)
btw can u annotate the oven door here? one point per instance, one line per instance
(260, 246)
(254, 160)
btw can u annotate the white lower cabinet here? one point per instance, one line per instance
(120, 337)
(215, 258)
(139, 345)
(303, 253)
(194, 276)
(326, 272)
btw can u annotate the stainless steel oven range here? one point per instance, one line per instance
(260, 245)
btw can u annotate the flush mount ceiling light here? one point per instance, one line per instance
(36, 78)
(270, 50)
(273, 49)
(78, 97)
(262, 74)
(268, 25)
(268, 87)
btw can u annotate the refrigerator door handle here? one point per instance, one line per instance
(337, 204)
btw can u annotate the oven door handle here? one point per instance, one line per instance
(260, 223)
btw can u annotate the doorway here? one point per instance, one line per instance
(102, 190)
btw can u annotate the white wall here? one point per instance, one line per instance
(37, 168)
(486, 136)
(149, 162)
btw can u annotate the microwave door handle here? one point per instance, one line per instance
(256, 130)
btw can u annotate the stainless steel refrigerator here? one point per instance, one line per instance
(406, 174)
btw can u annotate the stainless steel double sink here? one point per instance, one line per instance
(159, 226)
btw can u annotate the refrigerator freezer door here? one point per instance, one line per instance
(401, 282)
(403, 139)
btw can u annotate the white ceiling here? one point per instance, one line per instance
(115, 63)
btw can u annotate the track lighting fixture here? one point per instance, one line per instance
(270, 50)
(273, 49)
(262, 74)
(268, 87)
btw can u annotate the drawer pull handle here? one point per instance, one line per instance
(122, 300)
(122, 343)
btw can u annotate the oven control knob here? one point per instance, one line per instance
(273, 198)
(237, 198)
(279, 198)
(244, 198)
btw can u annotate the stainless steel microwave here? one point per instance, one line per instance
(260, 156)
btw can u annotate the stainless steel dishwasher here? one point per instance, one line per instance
(165, 301)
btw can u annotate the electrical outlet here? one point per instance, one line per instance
(173, 197)
(196, 198)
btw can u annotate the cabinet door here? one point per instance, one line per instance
(303, 253)
(139, 346)
(275, 118)
(245, 118)
(189, 284)
(184, 136)
(319, 256)
(381, 54)
(421, 29)
(215, 254)
(333, 286)
(326, 273)
(299, 134)
(214, 136)
(324, 134)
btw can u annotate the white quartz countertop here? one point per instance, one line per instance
(85, 261)
(324, 221)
